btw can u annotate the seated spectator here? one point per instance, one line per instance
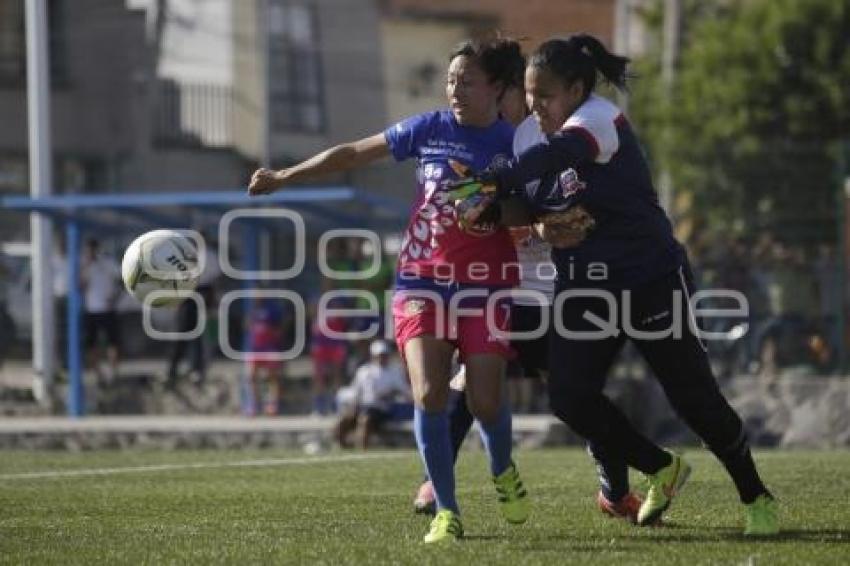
(328, 352)
(376, 395)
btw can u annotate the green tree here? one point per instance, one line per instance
(761, 100)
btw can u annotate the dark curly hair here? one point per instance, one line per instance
(501, 59)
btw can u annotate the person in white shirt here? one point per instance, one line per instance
(377, 386)
(100, 283)
(187, 320)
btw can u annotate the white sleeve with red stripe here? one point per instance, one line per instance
(596, 120)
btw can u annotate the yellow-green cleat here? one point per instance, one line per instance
(513, 499)
(762, 517)
(445, 526)
(664, 485)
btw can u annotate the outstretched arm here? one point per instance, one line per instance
(339, 158)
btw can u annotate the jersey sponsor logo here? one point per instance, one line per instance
(570, 183)
(413, 307)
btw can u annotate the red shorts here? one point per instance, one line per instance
(419, 316)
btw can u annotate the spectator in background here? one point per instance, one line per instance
(101, 278)
(348, 259)
(377, 389)
(59, 267)
(327, 352)
(793, 302)
(828, 274)
(375, 286)
(266, 334)
(187, 320)
(757, 296)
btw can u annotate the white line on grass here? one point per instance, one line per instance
(200, 465)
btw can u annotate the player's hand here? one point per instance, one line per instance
(565, 229)
(265, 181)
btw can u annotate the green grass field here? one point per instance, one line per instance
(339, 509)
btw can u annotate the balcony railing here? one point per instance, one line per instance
(193, 115)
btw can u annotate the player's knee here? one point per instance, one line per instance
(429, 398)
(485, 410)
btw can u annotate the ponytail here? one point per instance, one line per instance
(581, 57)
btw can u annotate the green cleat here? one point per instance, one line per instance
(513, 499)
(446, 526)
(762, 517)
(664, 485)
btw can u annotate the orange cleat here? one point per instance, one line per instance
(626, 508)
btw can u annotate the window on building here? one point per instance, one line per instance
(295, 85)
(13, 43)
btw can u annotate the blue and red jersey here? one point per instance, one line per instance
(434, 245)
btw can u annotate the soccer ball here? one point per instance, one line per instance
(161, 260)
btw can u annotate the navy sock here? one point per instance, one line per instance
(738, 461)
(612, 472)
(435, 447)
(497, 438)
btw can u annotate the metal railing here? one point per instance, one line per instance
(193, 115)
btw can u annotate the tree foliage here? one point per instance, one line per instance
(752, 126)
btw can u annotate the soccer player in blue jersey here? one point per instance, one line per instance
(535, 294)
(440, 258)
(621, 274)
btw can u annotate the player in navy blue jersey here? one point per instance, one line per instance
(621, 275)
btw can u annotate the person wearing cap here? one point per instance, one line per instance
(377, 385)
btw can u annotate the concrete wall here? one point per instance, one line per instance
(415, 62)
(248, 83)
(91, 110)
(535, 20)
(103, 112)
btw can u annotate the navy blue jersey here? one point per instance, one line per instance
(595, 161)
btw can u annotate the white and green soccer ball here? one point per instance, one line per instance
(164, 261)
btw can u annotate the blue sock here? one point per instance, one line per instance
(435, 447)
(497, 438)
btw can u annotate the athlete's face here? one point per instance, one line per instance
(472, 97)
(550, 99)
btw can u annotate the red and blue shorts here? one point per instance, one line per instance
(424, 312)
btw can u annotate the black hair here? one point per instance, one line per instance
(501, 59)
(581, 57)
